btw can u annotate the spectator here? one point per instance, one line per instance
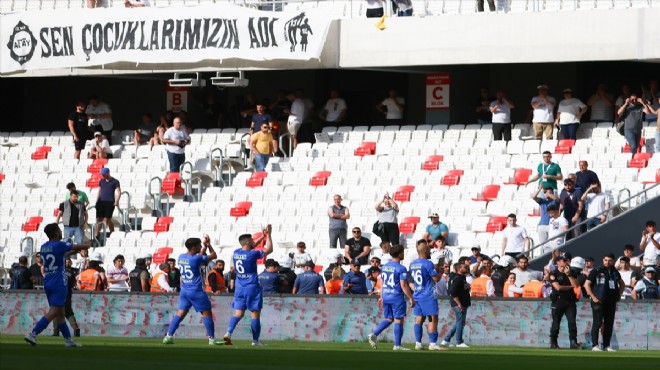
(440, 250)
(357, 248)
(163, 126)
(588, 266)
(570, 202)
(230, 279)
(20, 275)
(632, 114)
(655, 112)
(36, 270)
(136, 3)
(77, 123)
(459, 291)
(534, 287)
(387, 210)
(100, 147)
(374, 8)
(259, 119)
(547, 172)
(338, 214)
(334, 284)
(384, 253)
(159, 283)
(441, 285)
(651, 94)
(543, 115)
(629, 251)
(601, 104)
(118, 275)
(145, 132)
(100, 116)
(301, 258)
(596, 202)
(374, 283)
(335, 109)
(248, 107)
(647, 286)
(262, 147)
(404, 8)
(625, 94)
(510, 289)
(483, 106)
(82, 196)
(296, 115)
(74, 217)
(501, 110)
(480, 5)
(435, 228)
(339, 259)
(569, 113)
(215, 282)
(584, 177)
(563, 299)
(106, 201)
(627, 275)
(355, 282)
(140, 278)
(557, 225)
(650, 244)
(514, 238)
(547, 199)
(394, 108)
(97, 3)
(375, 262)
(176, 139)
(500, 274)
(287, 274)
(309, 282)
(483, 266)
(93, 278)
(269, 279)
(476, 254)
(83, 260)
(174, 276)
(482, 286)
(523, 274)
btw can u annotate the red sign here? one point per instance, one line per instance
(437, 90)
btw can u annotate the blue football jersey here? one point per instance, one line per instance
(392, 273)
(191, 270)
(245, 265)
(422, 272)
(52, 257)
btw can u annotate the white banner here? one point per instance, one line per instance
(94, 37)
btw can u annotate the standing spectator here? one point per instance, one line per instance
(136, 3)
(629, 251)
(483, 106)
(118, 275)
(248, 107)
(74, 217)
(480, 5)
(301, 258)
(384, 252)
(82, 196)
(140, 278)
(435, 228)
(387, 210)
(650, 244)
(585, 177)
(270, 280)
(163, 126)
(404, 8)
(543, 114)
(174, 276)
(335, 109)
(625, 94)
(557, 225)
(651, 94)
(159, 283)
(500, 274)
(327, 274)
(515, 240)
(261, 118)
(357, 248)
(632, 114)
(601, 104)
(482, 286)
(93, 278)
(296, 115)
(501, 110)
(627, 275)
(36, 270)
(476, 254)
(107, 200)
(647, 286)
(145, 132)
(215, 283)
(655, 112)
(563, 302)
(100, 116)
(605, 287)
(100, 147)
(459, 291)
(287, 274)
(176, 139)
(394, 106)
(544, 201)
(262, 147)
(337, 229)
(20, 275)
(441, 286)
(309, 282)
(569, 113)
(570, 202)
(355, 282)
(440, 251)
(510, 290)
(335, 283)
(547, 172)
(230, 279)
(523, 274)
(596, 203)
(374, 8)
(77, 123)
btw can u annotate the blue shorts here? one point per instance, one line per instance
(248, 299)
(395, 310)
(426, 308)
(196, 298)
(56, 295)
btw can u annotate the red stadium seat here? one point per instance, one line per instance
(320, 178)
(402, 194)
(32, 223)
(96, 166)
(93, 181)
(256, 180)
(564, 146)
(167, 250)
(160, 257)
(409, 224)
(642, 142)
(41, 152)
(2, 177)
(452, 177)
(242, 209)
(432, 163)
(488, 193)
(520, 177)
(162, 225)
(366, 148)
(412, 219)
(496, 223)
(172, 184)
(640, 160)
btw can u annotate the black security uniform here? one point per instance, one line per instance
(135, 278)
(563, 304)
(605, 286)
(21, 277)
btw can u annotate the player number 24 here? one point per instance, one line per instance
(388, 280)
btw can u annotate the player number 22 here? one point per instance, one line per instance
(50, 262)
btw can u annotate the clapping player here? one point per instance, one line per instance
(424, 277)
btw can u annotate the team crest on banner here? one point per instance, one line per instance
(21, 44)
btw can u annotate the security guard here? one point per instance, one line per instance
(647, 287)
(605, 287)
(563, 299)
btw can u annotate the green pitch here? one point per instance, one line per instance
(127, 353)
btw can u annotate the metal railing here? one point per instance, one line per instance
(124, 212)
(186, 169)
(289, 144)
(92, 233)
(155, 197)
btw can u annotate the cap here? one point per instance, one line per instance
(146, 256)
(310, 263)
(105, 171)
(475, 246)
(539, 87)
(355, 262)
(286, 263)
(536, 275)
(338, 255)
(371, 270)
(271, 263)
(649, 269)
(96, 257)
(568, 90)
(434, 215)
(98, 133)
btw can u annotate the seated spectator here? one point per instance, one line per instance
(287, 274)
(629, 251)
(357, 248)
(523, 274)
(118, 275)
(270, 280)
(439, 250)
(374, 284)
(162, 127)
(510, 288)
(309, 282)
(215, 281)
(301, 258)
(159, 282)
(100, 147)
(435, 228)
(334, 284)
(355, 282)
(20, 275)
(596, 203)
(375, 262)
(647, 286)
(627, 275)
(145, 132)
(327, 274)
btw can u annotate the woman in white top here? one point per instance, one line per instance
(387, 212)
(569, 113)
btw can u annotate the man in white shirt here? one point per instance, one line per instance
(160, 283)
(394, 107)
(569, 113)
(335, 109)
(543, 116)
(523, 274)
(596, 202)
(118, 275)
(515, 240)
(176, 138)
(650, 244)
(501, 110)
(629, 251)
(296, 115)
(557, 225)
(300, 258)
(100, 116)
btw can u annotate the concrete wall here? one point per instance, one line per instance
(329, 318)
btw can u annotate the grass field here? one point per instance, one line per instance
(128, 353)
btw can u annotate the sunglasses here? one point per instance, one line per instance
(356, 231)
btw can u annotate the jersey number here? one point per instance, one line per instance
(238, 264)
(388, 280)
(49, 263)
(417, 277)
(186, 272)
